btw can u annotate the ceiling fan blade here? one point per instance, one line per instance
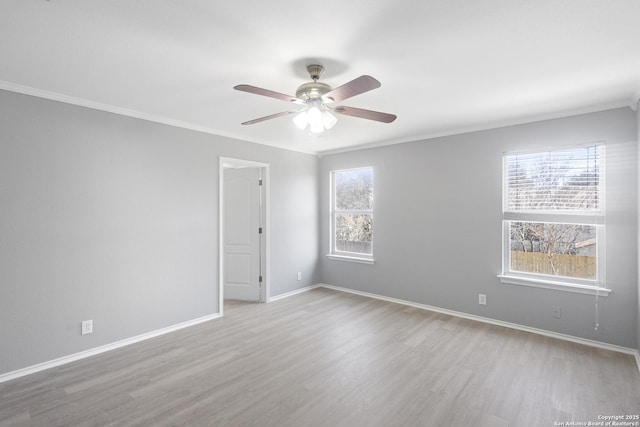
(272, 116)
(269, 93)
(365, 114)
(355, 87)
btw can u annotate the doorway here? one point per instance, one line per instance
(244, 226)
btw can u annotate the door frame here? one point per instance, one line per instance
(227, 162)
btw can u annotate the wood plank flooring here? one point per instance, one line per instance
(327, 358)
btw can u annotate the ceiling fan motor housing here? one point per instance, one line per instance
(312, 90)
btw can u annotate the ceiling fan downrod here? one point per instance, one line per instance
(315, 71)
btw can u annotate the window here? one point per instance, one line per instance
(352, 214)
(553, 219)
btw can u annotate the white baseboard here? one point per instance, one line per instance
(128, 341)
(102, 349)
(294, 292)
(550, 334)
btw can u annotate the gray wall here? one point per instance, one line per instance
(638, 241)
(437, 235)
(115, 219)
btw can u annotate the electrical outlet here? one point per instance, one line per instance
(87, 327)
(299, 275)
(482, 299)
(555, 312)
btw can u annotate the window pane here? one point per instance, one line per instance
(353, 233)
(555, 249)
(564, 180)
(354, 189)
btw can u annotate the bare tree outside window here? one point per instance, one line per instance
(553, 248)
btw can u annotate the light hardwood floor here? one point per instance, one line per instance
(326, 358)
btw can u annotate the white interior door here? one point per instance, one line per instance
(242, 243)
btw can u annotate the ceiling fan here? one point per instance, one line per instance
(316, 99)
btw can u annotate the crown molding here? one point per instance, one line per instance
(81, 102)
(480, 128)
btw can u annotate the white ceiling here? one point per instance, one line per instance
(446, 66)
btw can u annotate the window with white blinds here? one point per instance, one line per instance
(553, 216)
(564, 180)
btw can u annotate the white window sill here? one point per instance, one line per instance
(351, 259)
(558, 286)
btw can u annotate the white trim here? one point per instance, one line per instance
(570, 338)
(54, 96)
(343, 255)
(596, 218)
(481, 128)
(562, 217)
(220, 234)
(228, 162)
(557, 286)
(102, 349)
(128, 341)
(555, 147)
(294, 292)
(351, 259)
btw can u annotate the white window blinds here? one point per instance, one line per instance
(564, 180)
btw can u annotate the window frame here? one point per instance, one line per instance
(594, 218)
(338, 255)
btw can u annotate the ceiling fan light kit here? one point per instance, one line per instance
(316, 96)
(317, 116)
